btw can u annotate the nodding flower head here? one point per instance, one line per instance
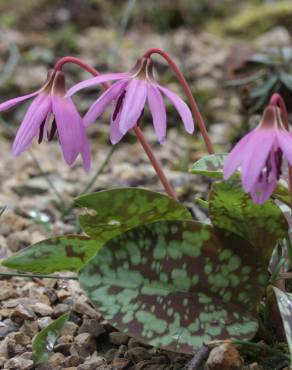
(129, 94)
(50, 113)
(259, 155)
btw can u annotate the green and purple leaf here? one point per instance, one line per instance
(43, 343)
(284, 301)
(177, 284)
(210, 165)
(62, 253)
(121, 209)
(233, 210)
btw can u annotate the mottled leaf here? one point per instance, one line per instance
(233, 210)
(118, 210)
(284, 301)
(210, 165)
(43, 343)
(177, 284)
(63, 253)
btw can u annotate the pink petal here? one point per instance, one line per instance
(85, 150)
(95, 81)
(133, 104)
(10, 103)
(157, 108)
(257, 150)
(102, 102)
(69, 125)
(115, 133)
(285, 143)
(182, 108)
(261, 192)
(235, 157)
(34, 117)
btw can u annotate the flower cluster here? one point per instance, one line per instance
(52, 110)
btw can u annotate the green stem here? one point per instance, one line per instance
(49, 181)
(277, 269)
(39, 276)
(261, 346)
(289, 249)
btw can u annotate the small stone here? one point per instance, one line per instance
(110, 355)
(224, 357)
(92, 327)
(84, 309)
(42, 309)
(64, 339)
(70, 328)
(20, 338)
(6, 327)
(19, 363)
(21, 313)
(92, 362)
(84, 344)
(72, 360)
(70, 368)
(56, 360)
(63, 348)
(118, 338)
(62, 294)
(138, 354)
(60, 309)
(43, 322)
(29, 328)
(120, 363)
(149, 365)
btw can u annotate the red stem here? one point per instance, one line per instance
(140, 136)
(194, 107)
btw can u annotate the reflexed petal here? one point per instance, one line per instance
(10, 103)
(133, 104)
(182, 108)
(157, 108)
(34, 117)
(85, 149)
(95, 81)
(285, 143)
(69, 125)
(115, 133)
(262, 191)
(236, 156)
(257, 151)
(98, 107)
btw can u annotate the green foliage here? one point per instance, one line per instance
(210, 165)
(118, 210)
(268, 71)
(63, 253)
(233, 210)
(44, 341)
(284, 301)
(177, 284)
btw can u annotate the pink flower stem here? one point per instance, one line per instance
(148, 150)
(139, 134)
(194, 107)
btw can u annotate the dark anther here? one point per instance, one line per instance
(53, 131)
(119, 104)
(41, 132)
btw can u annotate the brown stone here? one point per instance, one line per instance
(138, 354)
(224, 357)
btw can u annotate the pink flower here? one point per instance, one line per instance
(129, 94)
(259, 155)
(49, 112)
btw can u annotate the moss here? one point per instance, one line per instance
(254, 19)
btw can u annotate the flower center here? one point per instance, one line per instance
(143, 69)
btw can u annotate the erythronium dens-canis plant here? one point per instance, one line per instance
(151, 269)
